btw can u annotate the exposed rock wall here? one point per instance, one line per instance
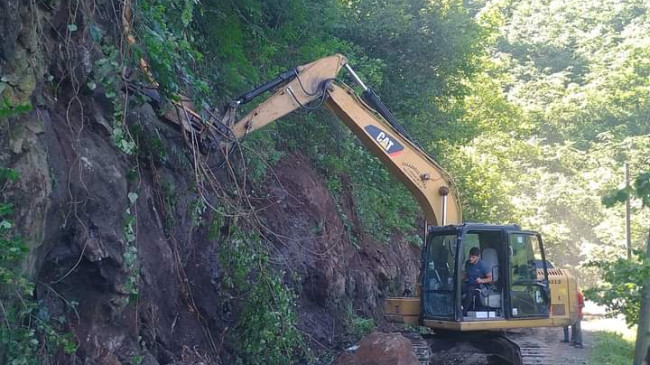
(73, 195)
(312, 239)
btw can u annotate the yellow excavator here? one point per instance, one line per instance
(525, 291)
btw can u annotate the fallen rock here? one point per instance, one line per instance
(380, 349)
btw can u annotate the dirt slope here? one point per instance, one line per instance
(311, 240)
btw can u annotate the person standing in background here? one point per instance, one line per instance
(576, 330)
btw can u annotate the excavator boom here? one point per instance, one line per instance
(427, 181)
(430, 185)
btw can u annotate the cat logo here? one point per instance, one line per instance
(388, 143)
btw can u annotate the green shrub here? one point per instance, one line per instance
(611, 349)
(28, 334)
(266, 327)
(356, 325)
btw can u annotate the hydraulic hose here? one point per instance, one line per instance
(282, 78)
(372, 99)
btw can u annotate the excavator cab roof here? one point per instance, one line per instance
(475, 226)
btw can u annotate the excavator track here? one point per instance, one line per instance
(421, 347)
(513, 348)
(531, 350)
(518, 349)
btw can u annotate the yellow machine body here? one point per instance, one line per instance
(563, 311)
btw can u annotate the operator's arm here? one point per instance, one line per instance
(486, 280)
(487, 275)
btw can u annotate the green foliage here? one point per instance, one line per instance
(137, 360)
(9, 110)
(216, 223)
(261, 154)
(254, 40)
(123, 141)
(612, 349)
(12, 249)
(348, 226)
(169, 201)
(270, 333)
(580, 66)
(266, 327)
(383, 205)
(8, 175)
(429, 50)
(356, 325)
(149, 143)
(157, 147)
(642, 186)
(196, 209)
(30, 337)
(623, 282)
(27, 333)
(559, 109)
(168, 46)
(554, 189)
(130, 255)
(479, 176)
(641, 189)
(106, 72)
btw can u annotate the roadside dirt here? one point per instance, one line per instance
(564, 353)
(594, 321)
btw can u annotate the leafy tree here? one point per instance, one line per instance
(623, 282)
(630, 279)
(559, 105)
(624, 279)
(430, 50)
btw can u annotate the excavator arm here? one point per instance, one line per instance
(377, 129)
(427, 181)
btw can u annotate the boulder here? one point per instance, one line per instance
(380, 349)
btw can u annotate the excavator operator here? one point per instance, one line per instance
(476, 273)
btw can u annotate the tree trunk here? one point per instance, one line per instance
(642, 349)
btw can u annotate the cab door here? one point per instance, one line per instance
(528, 297)
(440, 276)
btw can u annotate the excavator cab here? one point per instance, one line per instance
(519, 291)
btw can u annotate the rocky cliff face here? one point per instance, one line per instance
(121, 249)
